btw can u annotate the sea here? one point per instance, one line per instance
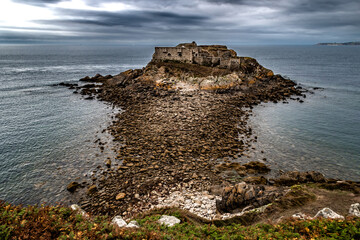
(48, 134)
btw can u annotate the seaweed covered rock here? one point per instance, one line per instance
(295, 177)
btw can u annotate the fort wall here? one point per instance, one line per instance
(213, 55)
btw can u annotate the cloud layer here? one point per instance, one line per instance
(171, 21)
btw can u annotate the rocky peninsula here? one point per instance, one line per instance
(183, 141)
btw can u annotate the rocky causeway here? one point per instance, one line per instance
(183, 139)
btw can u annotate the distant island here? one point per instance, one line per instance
(339, 44)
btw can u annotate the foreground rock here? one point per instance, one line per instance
(119, 222)
(328, 213)
(169, 220)
(245, 195)
(355, 210)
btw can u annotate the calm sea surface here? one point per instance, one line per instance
(47, 133)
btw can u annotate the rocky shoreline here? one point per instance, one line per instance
(183, 139)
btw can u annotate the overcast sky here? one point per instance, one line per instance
(173, 21)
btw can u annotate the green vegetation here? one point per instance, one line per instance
(46, 222)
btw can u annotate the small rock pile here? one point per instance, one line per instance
(202, 204)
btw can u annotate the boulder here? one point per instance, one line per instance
(78, 209)
(328, 213)
(87, 78)
(108, 163)
(355, 210)
(169, 220)
(243, 195)
(133, 224)
(92, 189)
(120, 196)
(119, 222)
(72, 186)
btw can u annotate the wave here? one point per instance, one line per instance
(31, 88)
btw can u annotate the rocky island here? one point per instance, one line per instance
(183, 141)
(339, 44)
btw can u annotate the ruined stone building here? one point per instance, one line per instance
(206, 55)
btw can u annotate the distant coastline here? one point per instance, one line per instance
(339, 44)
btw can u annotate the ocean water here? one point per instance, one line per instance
(323, 133)
(47, 133)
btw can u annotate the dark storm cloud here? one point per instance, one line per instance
(36, 2)
(244, 21)
(126, 19)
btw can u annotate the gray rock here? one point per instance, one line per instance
(169, 220)
(78, 209)
(118, 221)
(133, 224)
(301, 216)
(328, 213)
(355, 210)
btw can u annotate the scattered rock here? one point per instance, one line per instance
(92, 189)
(120, 196)
(133, 224)
(328, 213)
(108, 163)
(301, 216)
(119, 222)
(72, 186)
(169, 220)
(355, 210)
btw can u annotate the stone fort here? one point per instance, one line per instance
(206, 55)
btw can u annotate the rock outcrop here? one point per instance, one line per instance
(245, 195)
